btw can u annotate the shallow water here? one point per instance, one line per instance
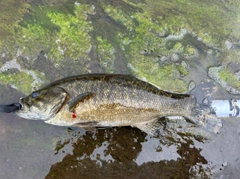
(117, 42)
(34, 149)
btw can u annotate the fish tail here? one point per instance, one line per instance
(204, 116)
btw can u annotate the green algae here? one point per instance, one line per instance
(178, 47)
(106, 55)
(144, 47)
(149, 31)
(145, 38)
(230, 56)
(183, 69)
(227, 76)
(65, 33)
(235, 30)
(211, 21)
(165, 77)
(18, 80)
(61, 34)
(33, 39)
(11, 12)
(140, 30)
(189, 50)
(23, 81)
(120, 16)
(74, 40)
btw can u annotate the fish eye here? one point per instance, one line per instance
(35, 94)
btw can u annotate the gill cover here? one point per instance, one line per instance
(43, 104)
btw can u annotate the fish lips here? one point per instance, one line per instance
(23, 104)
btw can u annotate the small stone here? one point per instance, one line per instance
(184, 64)
(224, 164)
(191, 86)
(77, 4)
(228, 44)
(164, 58)
(175, 57)
(237, 75)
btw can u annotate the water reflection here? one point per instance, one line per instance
(128, 153)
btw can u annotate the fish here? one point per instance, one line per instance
(96, 101)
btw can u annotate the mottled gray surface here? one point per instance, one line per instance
(169, 44)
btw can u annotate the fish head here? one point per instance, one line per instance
(43, 104)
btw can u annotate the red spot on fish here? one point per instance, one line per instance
(74, 115)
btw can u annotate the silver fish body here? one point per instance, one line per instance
(103, 100)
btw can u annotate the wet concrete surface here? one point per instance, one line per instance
(33, 149)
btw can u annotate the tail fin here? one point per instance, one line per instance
(205, 116)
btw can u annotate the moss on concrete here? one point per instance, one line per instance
(178, 47)
(165, 77)
(73, 39)
(183, 69)
(23, 81)
(18, 80)
(227, 76)
(60, 33)
(211, 21)
(106, 55)
(148, 31)
(189, 50)
(143, 48)
(11, 12)
(230, 56)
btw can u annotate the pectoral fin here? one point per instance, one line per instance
(79, 99)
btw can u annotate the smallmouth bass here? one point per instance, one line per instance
(107, 100)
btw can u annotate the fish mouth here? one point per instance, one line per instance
(22, 104)
(18, 106)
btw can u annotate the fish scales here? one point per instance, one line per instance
(121, 88)
(118, 94)
(101, 100)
